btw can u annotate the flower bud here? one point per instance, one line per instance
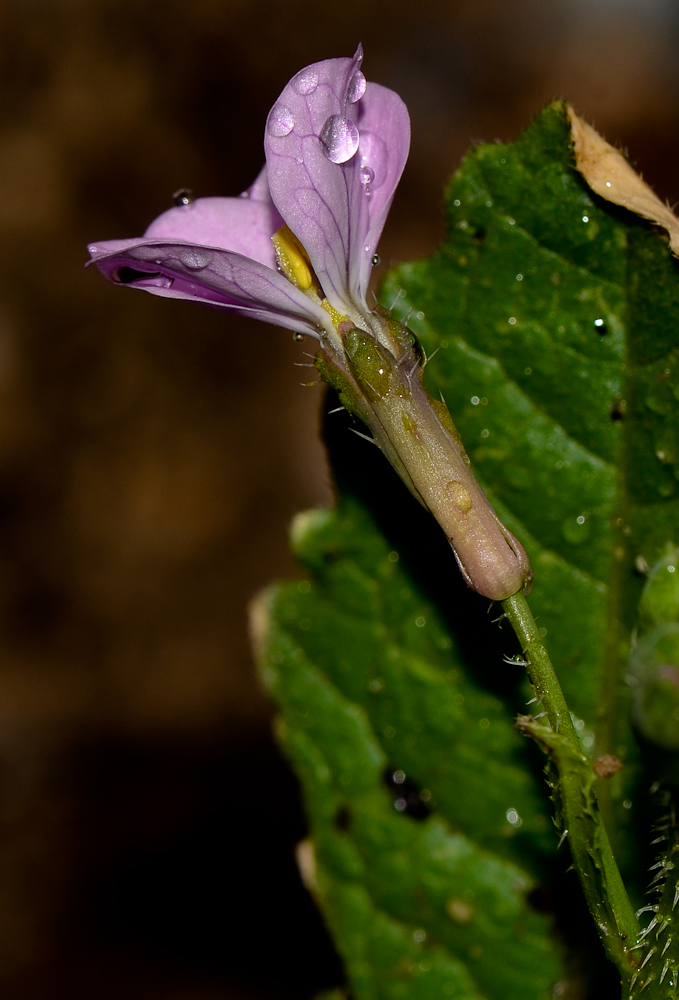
(660, 597)
(654, 682)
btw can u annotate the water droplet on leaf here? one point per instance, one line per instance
(306, 82)
(184, 196)
(356, 88)
(339, 137)
(281, 121)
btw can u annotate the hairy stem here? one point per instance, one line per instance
(573, 783)
(540, 668)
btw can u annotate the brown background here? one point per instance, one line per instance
(152, 454)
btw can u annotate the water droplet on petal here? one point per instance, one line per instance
(375, 259)
(299, 159)
(306, 81)
(184, 196)
(298, 336)
(356, 88)
(281, 121)
(339, 137)
(367, 176)
(195, 259)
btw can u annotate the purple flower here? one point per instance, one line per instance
(297, 249)
(335, 149)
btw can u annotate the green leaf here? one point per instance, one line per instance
(369, 683)
(550, 318)
(555, 315)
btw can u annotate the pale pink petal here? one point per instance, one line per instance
(241, 224)
(217, 277)
(335, 194)
(384, 129)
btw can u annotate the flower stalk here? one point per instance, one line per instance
(573, 783)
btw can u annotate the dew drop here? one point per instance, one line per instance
(184, 196)
(513, 817)
(281, 121)
(600, 327)
(356, 88)
(194, 259)
(306, 82)
(367, 176)
(298, 336)
(375, 259)
(339, 137)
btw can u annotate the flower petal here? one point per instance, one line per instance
(259, 189)
(309, 190)
(324, 115)
(384, 129)
(241, 224)
(212, 275)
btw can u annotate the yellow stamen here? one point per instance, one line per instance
(293, 259)
(335, 316)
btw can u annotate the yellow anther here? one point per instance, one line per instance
(293, 259)
(335, 316)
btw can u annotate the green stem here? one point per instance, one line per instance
(539, 666)
(575, 797)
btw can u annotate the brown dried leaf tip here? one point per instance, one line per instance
(607, 766)
(611, 177)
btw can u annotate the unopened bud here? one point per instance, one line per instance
(654, 682)
(660, 597)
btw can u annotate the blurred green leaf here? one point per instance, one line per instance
(415, 876)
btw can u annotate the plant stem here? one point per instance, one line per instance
(574, 792)
(539, 666)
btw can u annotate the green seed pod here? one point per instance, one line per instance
(654, 682)
(660, 597)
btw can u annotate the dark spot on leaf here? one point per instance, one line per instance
(480, 235)
(343, 818)
(408, 798)
(617, 413)
(126, 275)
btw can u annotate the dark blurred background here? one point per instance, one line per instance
(152, 454)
